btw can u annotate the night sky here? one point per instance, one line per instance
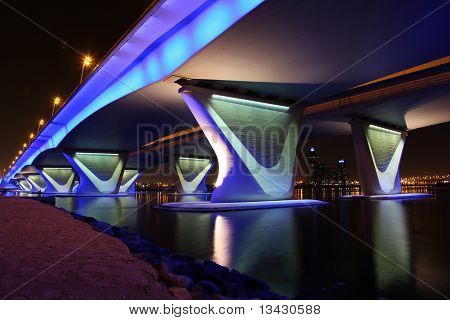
(36, 67)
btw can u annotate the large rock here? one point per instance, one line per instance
(176, 280)
(165, 266)
(209, 286)
(192, 270)
(180, 293)
(212, 267)
(182, 258)
(218, 281)
(199, 293)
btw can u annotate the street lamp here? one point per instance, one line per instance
(56, 103)
(31, 137)
(40, 124)
(87, 61)
(24, 145)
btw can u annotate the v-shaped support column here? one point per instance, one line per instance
(129, 178)
(58, 179)
(255, 143)
(22, 182)
(378, 153)
(98, 172)
(25, 185)
(192, 173)
(36, 181)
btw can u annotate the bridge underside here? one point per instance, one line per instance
(271, 54)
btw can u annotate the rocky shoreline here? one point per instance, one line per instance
(186, 277)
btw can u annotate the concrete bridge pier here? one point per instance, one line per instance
(58, 179)
(36, 181)
(99, 172)
(255, 142)
(192, 172)
(34, 178)
(378, 151)
(22, 182)
(128, 179)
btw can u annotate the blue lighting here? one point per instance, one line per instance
(153, 63)
(341, 161)
(312, 149)
(212, 25)
(175, 52)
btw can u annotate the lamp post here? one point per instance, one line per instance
(40, 124)
(87, 61)
(56, 102)
(31, 137)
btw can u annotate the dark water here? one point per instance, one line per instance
(307, 252)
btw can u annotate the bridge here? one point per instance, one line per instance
(242, 77)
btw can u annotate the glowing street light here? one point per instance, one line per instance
(87, 61)
(31, 137)
(24, 145)
(20, 151)
(40, 124)
(56, 102)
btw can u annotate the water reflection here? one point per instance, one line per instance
(327, 194)
(298, 251)
(222, 241)
(115, 210)
(391, 240)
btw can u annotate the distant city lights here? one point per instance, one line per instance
(425, 180)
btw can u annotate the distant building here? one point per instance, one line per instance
(323, 175)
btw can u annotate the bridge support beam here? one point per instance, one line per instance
(25, 185)
(36, 181)
(192, 173)
(255, 143)
(98, 172)
(59, 180)
(378, 153)
(32, 175)
(22, 182)
(129, 178)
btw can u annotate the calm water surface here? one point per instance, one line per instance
(304, 252)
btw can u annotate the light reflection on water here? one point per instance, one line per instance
(296, 250)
